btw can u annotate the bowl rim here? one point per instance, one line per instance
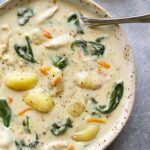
(134, 69)
(109, 142)
(100, 8)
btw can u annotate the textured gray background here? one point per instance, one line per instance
(136, 135)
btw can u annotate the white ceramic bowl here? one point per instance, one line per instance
(130, 93)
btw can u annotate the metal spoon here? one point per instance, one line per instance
(107, 21)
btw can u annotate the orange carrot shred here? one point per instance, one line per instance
(99, 70)
(46, 33)
(96, 120)
(103, 64)
(24, 111)
(45, 70)
(56, 80)
(10, 100)
(71, 147)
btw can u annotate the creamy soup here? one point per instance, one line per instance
(62, 83)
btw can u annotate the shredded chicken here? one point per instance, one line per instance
(5, 35)
(59, 41)
(46, 14)
(59, 145)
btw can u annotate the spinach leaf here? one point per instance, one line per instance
(25, 51)
(92, 105)
(89, 47)
(76, 20)
(95, 109)
(115, 98)
(34, 143)
(26, 125)
(21, 144)
(97, 48)
(5, 112)
(81, 44)
(61, 127)
(93, 101)
(24, 15)
(99, 39)
(60, 61)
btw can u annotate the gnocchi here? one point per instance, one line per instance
(75, 109)
(21, 81)
(87, 134)
(40, 101)
(88, 80)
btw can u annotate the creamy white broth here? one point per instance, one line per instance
(41, 123)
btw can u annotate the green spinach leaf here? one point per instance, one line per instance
(81, 44)
(60, 61)
(89, 47)
(97, 49)
(21, 144)
(24, 15)
(93, 101)
(99, 39)
(61, 127)
(76, 20)
(34, 143)
(5, 112)
(25, 51)
(115, 98)
(92, 108)
(26, 124)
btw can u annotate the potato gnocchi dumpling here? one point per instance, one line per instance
(21, 81)
(88, 80)
(75, 109)
(40, 101)
(87, 134)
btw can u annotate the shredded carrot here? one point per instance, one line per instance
(10, 100)
(99, 70)
(24, 111)
(103, 64)
(97, 120)
(54, 1)
(45, 70)
(56, 80)
(46, 33)
(71, 147)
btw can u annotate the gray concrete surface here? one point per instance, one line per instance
(136, 134)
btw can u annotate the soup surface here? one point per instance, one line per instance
(62, 83)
